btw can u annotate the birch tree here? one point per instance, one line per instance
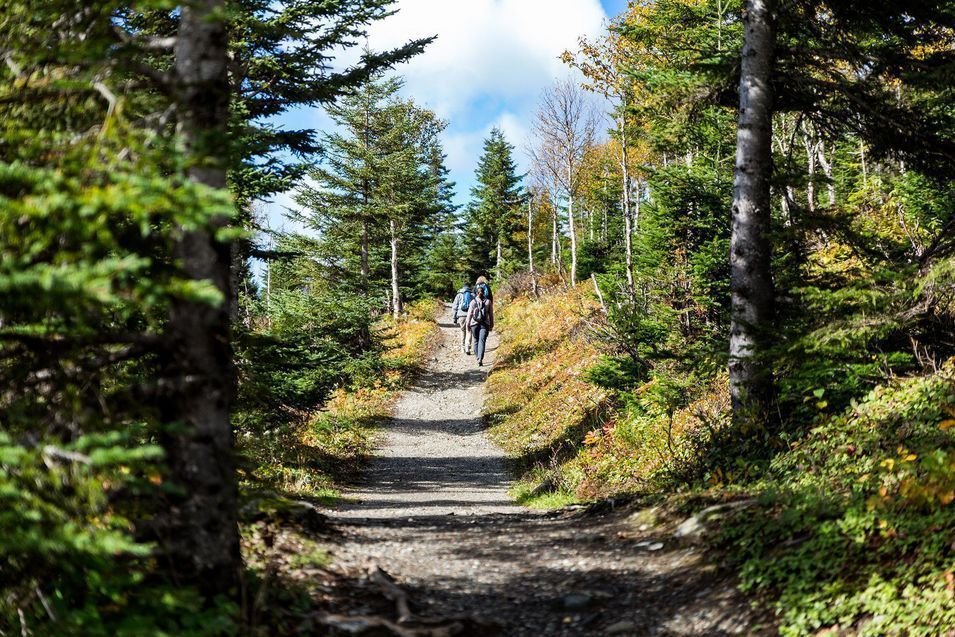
(565, 128)
(751, 281)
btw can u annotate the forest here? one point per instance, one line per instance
(723, 273)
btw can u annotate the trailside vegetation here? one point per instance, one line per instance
(743, 292)
(134, 141)
(769, 317)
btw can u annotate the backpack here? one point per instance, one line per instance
(480, 312)
(487, 290)
(466, 297)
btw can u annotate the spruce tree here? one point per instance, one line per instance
(495, 212)
(381, 192)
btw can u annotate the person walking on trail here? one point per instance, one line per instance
(482, 283)
(459, 308)
(480, 321)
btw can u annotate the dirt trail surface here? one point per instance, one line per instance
(433, 513)
(435, 458)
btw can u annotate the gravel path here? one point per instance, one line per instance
(433, 512)
(435, 458)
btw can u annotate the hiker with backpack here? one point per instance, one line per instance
(480, 320)
(482, 283)
(460, 306)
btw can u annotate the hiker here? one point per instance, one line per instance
(480, 320)
(482, 283)
(462, 301)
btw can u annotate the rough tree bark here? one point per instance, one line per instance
(750, 375)
(200, 539)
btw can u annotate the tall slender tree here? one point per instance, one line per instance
(751, 280)
(565, 127)
(379, 191)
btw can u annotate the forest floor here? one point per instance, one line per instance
(433, 545)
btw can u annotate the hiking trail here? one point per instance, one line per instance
(433, 512)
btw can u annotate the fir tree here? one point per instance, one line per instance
(495, 211)
(381, 195)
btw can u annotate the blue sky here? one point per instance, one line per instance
(487, 68)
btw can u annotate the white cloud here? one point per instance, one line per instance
(488, 66)
(498, 49)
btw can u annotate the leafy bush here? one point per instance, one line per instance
(856, 524)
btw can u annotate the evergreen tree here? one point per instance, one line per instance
(381, 195)
(438, 249)
(124, 123)
(343, 206)
(495, 212)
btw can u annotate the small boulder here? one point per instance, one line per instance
(644, 518)
(694, 528)
(576, 601)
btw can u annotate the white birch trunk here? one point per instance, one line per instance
(751, 281)
(627, 217)
(827, 171)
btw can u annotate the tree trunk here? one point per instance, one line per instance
(865, 170)
(498, 259)
(750, 375)
(268, 288)
(827, 171)
(200, 539)
(530, 244)
(573, 239)
(364, 334)
(554, 241)
(396, 305)
(627, 218)
(365, 272)
(636, 205)
(811, 145)
(570, 222)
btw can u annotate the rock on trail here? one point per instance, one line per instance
(433, 512)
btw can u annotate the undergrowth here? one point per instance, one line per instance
(308, 453)
(849, 527)
(303, 460)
